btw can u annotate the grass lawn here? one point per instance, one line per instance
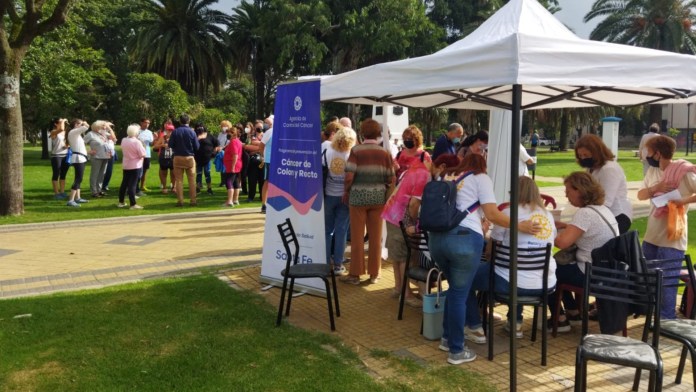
(40, 206)
(560, 164)
(187, 334)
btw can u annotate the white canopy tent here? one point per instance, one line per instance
(521, 58)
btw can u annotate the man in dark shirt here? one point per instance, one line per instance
(184, 143)
(447, 143)
(209, 146)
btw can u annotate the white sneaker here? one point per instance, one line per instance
(136, 207)
(518, 332)
(475, 335)
(121, 205)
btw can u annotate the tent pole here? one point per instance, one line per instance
(514, 198)
(688, 119)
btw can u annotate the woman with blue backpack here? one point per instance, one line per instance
(457, 250)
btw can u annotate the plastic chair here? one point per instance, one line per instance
(293, 271)
(681, 330)
(417, 242)
(528, 259)
(633, 288)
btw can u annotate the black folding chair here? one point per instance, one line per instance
(679, 273)
(643, 290)
(528, 259)
(293, 271)
(417, 242)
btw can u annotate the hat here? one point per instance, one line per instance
(169, 127)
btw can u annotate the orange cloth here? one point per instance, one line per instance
(672, 176)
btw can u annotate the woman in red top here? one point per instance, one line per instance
(412, 152)
(233, 166)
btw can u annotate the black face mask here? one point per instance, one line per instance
(652, 161)
(587, 162)
(229, 136)
(409, 143)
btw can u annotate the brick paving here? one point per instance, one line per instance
(44, 258)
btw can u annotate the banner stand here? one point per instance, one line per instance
(295, 188)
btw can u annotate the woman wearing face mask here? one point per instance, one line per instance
(665, 175)
(100, 155)
(592, 154)
(412, 152)
(474, 144)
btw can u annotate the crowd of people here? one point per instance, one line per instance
(240, 153)
(369, 190)
(379, 190)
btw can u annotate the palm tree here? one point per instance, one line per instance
(656, 24)
(245, 32)
(184, 40)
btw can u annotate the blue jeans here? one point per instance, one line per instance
(336, 226)
(502, 286)
(669, 294)
(458, 254)
(109, 172)
(200, 170)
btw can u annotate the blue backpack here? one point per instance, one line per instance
(439, 211)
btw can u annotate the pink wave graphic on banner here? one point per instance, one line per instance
(302, 208)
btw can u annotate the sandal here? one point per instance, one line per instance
(349, 279)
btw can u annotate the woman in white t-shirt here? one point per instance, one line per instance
(529, 283)
(458, 252)
(78, 160)
(58, 152)
(592, 154)
(591, 227)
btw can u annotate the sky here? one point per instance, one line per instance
(571, 14)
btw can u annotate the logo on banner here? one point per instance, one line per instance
(298, 103)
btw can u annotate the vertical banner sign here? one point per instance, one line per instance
(295, 187)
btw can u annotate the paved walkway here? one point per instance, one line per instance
(44, 258)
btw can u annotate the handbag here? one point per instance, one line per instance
(565, 256)
(433, 308)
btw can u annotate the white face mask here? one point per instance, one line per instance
(224, 129)
(246, 130)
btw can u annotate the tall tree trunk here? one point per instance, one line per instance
(11, 138)
(563, 138)
(44, 143)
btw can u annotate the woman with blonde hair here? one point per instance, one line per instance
(529, 283)
(592, 154)
(335, 211)
(591, 227)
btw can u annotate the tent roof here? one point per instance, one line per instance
(520, 44)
